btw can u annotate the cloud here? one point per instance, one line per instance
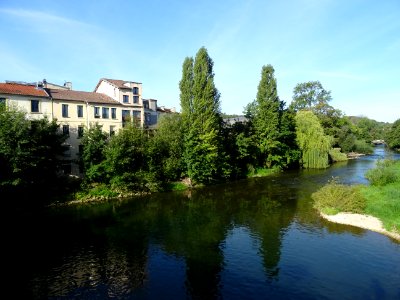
(38, 18)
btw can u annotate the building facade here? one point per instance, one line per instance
(111, 105)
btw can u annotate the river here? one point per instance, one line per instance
(258, 238)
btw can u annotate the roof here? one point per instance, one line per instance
(22, 89)
(118, 83)
(165, 110)
(81, 96)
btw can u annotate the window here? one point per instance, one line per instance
(112, 130)
(113, 113)
(125, 98)
(97, 112)
(80, 111)
(2, 101)
(135, 90)
(136, 115)
(146, 104)
(148, 119)
(80, 149)
(106, 111)
(80, 132)
(66, 167)
(65, 110)
(125, 115)
(35, 106)
(65, 129)
(135, 99)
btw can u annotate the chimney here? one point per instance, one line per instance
(68, 85)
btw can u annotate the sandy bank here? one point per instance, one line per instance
(362, 221)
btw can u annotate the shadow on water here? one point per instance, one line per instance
(247, 239)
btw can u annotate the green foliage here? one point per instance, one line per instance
(362, 146)
(93, 142)
(383, 196)
(125, 156)
(204, 157)
(289, 150)
(176, 186)
(310, 96)
(262, 172)
(312, 141)
(383, 202)
(266, 117)
(392, 137)
(385, 172)
(98, 191)
(335, 155)
(167, 147)
(29, 150)
(186, 89)
(335, 197)
(381, 199)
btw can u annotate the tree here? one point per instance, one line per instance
(266, 117)
(186, 88)
(204, 157)
(392, 137)
(167, 148)
(310, 96)
(312, 141)
(126, 161)
(93, 143)
(29, 150)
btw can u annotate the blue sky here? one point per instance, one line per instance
(351, 46)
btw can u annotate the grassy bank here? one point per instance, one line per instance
(380, 199)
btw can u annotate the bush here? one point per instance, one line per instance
(335, 155)
(362, 146)
(335, 197)
(386, 171)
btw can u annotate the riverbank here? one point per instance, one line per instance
(361, 221)
(375, 207)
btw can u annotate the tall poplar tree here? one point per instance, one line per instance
(201, 119)
(186, 88)
(266, 117)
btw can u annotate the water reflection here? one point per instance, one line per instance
(249, 239)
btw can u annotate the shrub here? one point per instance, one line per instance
(335, 197)
(385, 172)
(335, 155)
(362, 146)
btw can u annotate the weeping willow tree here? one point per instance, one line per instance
(312, 141)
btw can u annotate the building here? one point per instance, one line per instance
(110, 105)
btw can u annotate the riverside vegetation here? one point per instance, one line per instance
(192, 148)
(380, 199)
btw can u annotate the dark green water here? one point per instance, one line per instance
(252, 239)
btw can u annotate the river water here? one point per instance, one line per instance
(252, 239)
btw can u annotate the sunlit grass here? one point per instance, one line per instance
(381, 199)
(176, 186)
(261, 172)
(383, 202)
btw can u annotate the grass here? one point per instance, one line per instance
(381, 199)
(261, 172)
(383, 202)
(101, 191)
(176, 186)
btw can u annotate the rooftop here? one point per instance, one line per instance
(25, 89)
(118, 83)
(90, 97)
